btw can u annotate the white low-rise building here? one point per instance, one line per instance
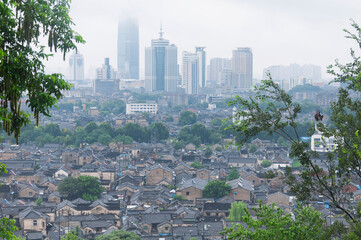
(319, 143)
(133, 108)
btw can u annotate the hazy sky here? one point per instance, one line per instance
(279, 32)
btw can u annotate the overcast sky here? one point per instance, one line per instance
(280, 32)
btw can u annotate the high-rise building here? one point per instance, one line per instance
(191, 72)
(217, 68)
(106, 72)
(201, 66)
(161, 66)
(105, 82)
(242, 67)
(128, 49)
(76, 67)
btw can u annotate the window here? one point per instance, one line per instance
(187, 193)
(35, 223)
(145, 227)
(166, 228)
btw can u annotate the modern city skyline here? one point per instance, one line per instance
(161, 66)
(128, 49)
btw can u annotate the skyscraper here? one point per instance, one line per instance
(201, 66)
(217, 68)
(76, 67)
(242, 68)
(128, 49)
(191, 76)
(161, 66)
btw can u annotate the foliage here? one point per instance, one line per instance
(216, 123)
(198, 134)
(114, 106)
(270, 174)
(197, 165)
(178, 197)
(161, 131)
(7, 226)
(86, 187)
(252, 148)
(273, 223)
(91, 133)
(22, 71)
(233, 174)
(178, 145)
(216, 189)
(219, 149)
(340, 164)
(237, 211)
(121, 234)
(208, 152)
(72, 235)
(187, 118)
(266, 163)
(304, 88)
(39, 201)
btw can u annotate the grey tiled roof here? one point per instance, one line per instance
(195, 182)
(240, 182)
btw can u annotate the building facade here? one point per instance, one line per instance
(76, 67)
(217, 69)
(105, 82)
(161, 66)
(132, 108)
(242, 68)
(201, 66)
(128, 49)
(191, 72)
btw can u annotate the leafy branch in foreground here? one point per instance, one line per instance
(22, 72)
(331, 174)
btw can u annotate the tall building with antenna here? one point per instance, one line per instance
(161, 65)
(128, 49)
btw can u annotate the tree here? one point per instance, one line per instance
(22, 72)
(72, 235)
(121, 234)
(90, 127)
(237, 211)
(266, 163)
(233, 174)
(39, 201)
(161, 131)
(197, 165)
(178, 198)
(342, 162)
(208, 152)
(273, 223)
(216, 189)
(86, 187)
(7, 226)
(187, 118)
(252, 148)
